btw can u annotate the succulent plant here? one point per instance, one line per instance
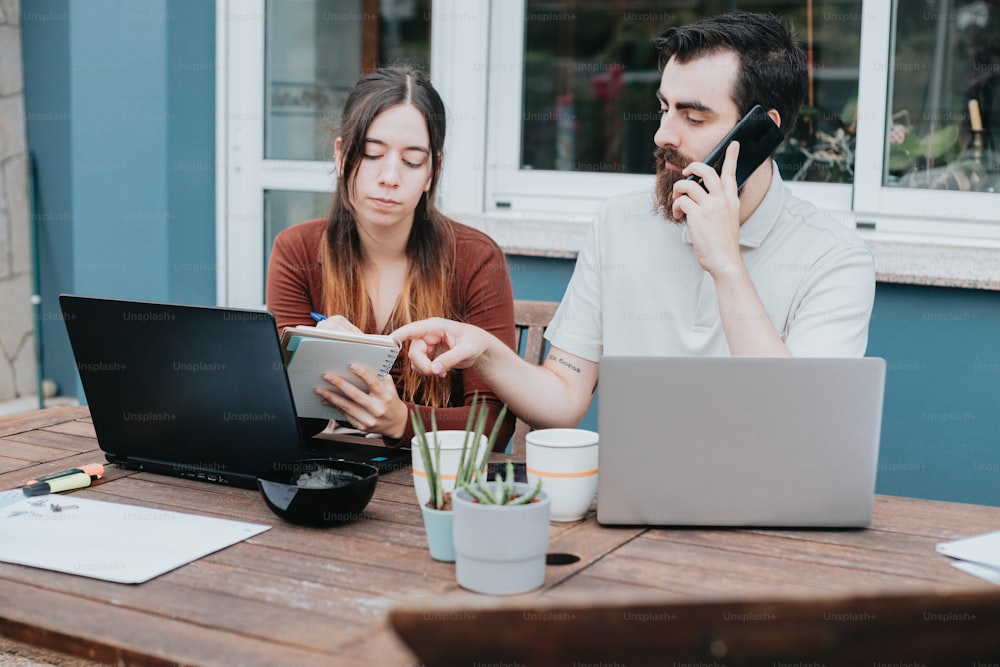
(471, 462)
(502, 490)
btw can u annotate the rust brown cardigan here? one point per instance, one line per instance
(482, 296)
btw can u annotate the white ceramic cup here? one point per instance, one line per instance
(451, 452)
(566, 461)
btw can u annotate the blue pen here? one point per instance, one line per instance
(319, 317)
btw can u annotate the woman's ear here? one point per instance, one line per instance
(430, 177)
(338, 159)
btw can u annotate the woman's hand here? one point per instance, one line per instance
(338, 323)
(380, 410)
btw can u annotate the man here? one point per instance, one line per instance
(693, 270)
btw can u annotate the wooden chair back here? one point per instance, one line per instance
(530, 320)
(930, 628)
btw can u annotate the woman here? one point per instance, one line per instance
(385, 256)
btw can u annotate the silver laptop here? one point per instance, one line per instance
(738, 441)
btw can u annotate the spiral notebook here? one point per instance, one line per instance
(311, 352)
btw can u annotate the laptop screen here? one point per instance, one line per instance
(187, 389)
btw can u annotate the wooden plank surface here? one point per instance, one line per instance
(106, 632)
(46, 438)
(28, 453)
(295, 595)
(36, 419)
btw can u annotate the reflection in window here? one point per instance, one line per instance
(316, 50)
(945, 96)
(284, 208)
(590, 77)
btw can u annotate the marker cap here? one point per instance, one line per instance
(95, 470)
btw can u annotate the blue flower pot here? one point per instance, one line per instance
(438, 524)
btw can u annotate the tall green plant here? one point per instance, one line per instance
(470, 461)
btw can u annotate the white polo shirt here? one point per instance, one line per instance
(638, 289)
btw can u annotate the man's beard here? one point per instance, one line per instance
(665, 179)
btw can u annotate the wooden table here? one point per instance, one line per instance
(301, 596)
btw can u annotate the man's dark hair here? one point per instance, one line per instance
(772, 61)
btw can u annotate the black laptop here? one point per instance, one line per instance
(194, 391)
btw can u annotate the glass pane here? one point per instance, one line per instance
(284, 208)
(316, 50)
(590, 78)
(945, 96)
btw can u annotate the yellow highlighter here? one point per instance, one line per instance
(76, 478)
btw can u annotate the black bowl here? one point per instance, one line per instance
(343, 490)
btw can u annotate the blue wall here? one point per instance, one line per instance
(49, 121)
(941, 417)
(120, 99)
(191, 142)
(544, 279)
(941, 421)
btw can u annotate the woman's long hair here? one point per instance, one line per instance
(431, 246)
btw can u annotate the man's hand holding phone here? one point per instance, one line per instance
(711, 206)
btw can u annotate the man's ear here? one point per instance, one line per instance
(338, 159)
(772, 114)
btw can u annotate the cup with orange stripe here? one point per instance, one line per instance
(566, 461)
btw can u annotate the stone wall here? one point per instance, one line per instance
(17, 327)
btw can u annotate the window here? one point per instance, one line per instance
(918, 169)
(315, 50)
(284, 208)
(551, 110)
(574, 83)
(590, 75)
(945, 98)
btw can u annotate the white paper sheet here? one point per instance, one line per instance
(990, 574)
(122, 543)
(979, 555)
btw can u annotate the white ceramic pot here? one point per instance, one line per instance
(451, 452)
(500, 549)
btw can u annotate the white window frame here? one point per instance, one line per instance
(245, 175)
(460, 38)
(941, 214)
(477, 63)
(562, 193)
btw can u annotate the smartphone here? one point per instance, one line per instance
(758, 137)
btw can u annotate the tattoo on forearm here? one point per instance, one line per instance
(565, 363)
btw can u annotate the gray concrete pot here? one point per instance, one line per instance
(500, 549)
